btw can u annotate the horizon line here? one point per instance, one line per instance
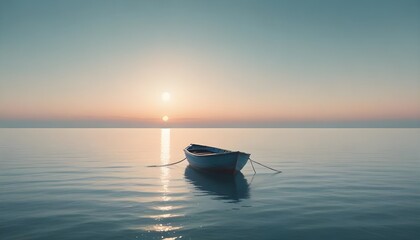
(97, 123)
(230, 127)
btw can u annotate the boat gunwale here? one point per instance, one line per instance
(211, 154)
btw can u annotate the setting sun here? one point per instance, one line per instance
(165, 118)
(166, 96)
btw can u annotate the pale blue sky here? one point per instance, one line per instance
(254, 63)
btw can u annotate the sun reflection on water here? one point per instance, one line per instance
(165, 207)
(165, 149)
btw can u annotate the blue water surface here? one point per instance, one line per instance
(94, 184)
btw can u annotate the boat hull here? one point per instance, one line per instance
(225, 161)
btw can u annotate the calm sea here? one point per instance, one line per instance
(94, 184)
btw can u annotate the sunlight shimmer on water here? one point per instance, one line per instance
(94, 184)
(164, 205)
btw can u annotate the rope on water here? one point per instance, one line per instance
(165, 165)
(263, 165)
(252, 166)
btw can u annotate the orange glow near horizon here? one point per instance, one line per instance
(195, 111)
(149, 97)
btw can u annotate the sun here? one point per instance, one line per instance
(166, 96)
(165, 118)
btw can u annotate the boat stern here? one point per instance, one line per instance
(241, 161)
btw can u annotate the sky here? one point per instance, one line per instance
(230, 63)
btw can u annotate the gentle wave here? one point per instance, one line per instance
(339, 187)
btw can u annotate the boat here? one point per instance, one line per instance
(208, 158)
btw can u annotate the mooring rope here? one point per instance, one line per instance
(252, 161)
(263, 166)
(252, 167)
(165, 165)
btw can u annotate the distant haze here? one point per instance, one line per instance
(210, 63)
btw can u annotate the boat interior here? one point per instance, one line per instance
(203, 150)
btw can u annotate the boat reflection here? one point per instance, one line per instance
(224, 186)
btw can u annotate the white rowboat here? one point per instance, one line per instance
(208, 158)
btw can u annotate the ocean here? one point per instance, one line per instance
(94, 184)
